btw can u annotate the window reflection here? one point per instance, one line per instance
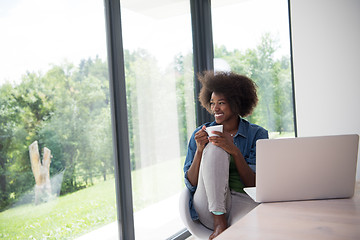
(159, 84)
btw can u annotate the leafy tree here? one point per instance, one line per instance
(273, 78)
(79, 117)
(184, 98)
(67, 110)
(8, 119)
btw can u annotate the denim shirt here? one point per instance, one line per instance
(245, 139)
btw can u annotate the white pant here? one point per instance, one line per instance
(213, 193)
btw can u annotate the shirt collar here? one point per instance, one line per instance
(241, 128)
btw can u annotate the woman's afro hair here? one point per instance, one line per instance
(239, 91)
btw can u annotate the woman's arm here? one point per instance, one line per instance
(201, 139)
(259, 133)
(246, 173)
(193, 172)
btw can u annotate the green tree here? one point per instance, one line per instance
(24, 108)
(80, 129)
(67, 110)
(184, 93)
(273, 78)
(8, 119)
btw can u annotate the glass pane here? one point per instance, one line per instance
(159, 84)
(252, 38)
(56, 155)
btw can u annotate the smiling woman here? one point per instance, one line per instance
(218, 167)
(239, 89)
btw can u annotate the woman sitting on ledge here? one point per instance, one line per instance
(217, 168)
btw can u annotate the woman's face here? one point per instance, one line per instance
(221, 109)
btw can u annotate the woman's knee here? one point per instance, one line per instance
(214, 155)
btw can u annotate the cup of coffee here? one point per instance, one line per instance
(218, 128)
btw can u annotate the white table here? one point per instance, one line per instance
(319, 219)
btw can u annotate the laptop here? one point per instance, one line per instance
(305, 168)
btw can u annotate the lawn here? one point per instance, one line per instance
(62, 218)
(74, 214)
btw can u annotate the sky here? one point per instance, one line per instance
(241, 25)
(36, 34)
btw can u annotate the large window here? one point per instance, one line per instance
(56, 154)
(252, 38)
(161, 116)
(57, 172)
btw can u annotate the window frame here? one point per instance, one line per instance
(203, 50)
(124, 203)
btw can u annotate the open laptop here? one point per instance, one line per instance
(305, 168)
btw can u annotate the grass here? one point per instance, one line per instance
(273, 135)
(74, 214)
(62, 218)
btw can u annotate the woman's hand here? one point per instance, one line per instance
(224, 141)
(201, 138)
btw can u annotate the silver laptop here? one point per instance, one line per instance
(305, 168)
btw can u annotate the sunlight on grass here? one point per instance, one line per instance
(64, 217)
(273, 135)
(74, 214)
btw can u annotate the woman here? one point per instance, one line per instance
(217, 168)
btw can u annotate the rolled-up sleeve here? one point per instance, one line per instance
(188, 161)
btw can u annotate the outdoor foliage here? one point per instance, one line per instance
(273, 78)
(67, 110)
(83, 211)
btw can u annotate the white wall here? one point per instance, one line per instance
(326, 54)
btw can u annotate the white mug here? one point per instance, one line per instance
(218, 128)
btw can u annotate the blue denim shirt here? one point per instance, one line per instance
(245, 139)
